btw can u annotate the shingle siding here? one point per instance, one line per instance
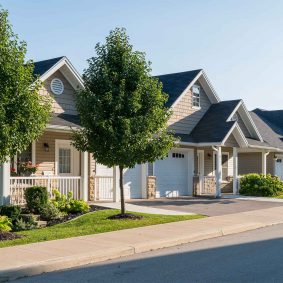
(185, 117)
(64, 103)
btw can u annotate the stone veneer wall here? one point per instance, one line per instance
(151, 187)
(91, 190)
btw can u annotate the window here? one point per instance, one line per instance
(178, 155)
(196, 96)
(64, 160)
(279, 160)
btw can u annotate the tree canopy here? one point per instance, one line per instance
(122, 108)
(23, 111)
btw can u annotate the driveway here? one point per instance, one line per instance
(206, 206)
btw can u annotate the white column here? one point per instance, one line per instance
(84, 175)
(263, 161)
(218, 172)
(5, 183)
(116, 186)
(235, 170)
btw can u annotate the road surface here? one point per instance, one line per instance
(255, 256)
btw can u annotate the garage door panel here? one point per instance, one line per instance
(172, 175)
(132, 181)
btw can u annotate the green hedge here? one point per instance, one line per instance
(36, 197)
(261, 185)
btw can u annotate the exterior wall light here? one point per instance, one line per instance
(46, 146)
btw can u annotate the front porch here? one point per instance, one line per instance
(57, 165)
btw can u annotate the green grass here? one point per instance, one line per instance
(92, 223)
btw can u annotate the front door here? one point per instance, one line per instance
(67, 159)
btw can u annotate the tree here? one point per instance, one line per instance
(122, 108)
(23, 112)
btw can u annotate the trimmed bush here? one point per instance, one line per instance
(261, 185)
(25, 223)
(50, 212)
(5, 224)
(11, 211)
(36, 197)
(78, 206)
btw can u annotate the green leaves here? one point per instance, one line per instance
(23, 112)
(122, 107)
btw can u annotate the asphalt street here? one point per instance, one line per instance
(255, 256)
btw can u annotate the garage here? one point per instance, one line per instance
(174, 174)
(279, 166)
(133, 181)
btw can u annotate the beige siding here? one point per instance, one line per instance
(251, 163)
(46, 160)
(185, 117)
(61, 103)
(231, 142)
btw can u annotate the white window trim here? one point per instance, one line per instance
(196, 107)
(66, 143)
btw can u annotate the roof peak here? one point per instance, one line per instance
(50, 59)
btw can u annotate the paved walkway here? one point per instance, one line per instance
(264, 199)
(144, 209)
(48, 256)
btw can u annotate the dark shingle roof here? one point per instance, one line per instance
(273, 118)
(67, 120)
(175, 84)
(269, 136)
(213, 126)
(42, 67)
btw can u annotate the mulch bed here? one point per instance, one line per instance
(4, 236)
(125, 216)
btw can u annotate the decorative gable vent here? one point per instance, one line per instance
(57, 86)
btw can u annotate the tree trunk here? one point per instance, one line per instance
(122, 191)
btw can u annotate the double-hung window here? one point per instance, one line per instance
(196, 96)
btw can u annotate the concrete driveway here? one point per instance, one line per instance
(206, 206)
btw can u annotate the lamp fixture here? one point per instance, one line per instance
(46, 146)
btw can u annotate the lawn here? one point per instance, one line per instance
(92, 223)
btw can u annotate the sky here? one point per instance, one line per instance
(238, 43)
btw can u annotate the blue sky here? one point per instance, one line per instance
(238, 43)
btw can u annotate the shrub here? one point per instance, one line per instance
(36, 197)
(261, 185)
(49, 212)
(11, 211)
(26, 223)
(5, 224)
(67, 204)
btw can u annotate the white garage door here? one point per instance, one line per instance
(174, 174)
(279, 167)
(132, 182)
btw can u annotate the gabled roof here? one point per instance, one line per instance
(176, 84)
(269, 135)
(273, 118)
(63, 121)
(213, 127)
(41, 67)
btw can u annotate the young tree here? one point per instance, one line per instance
(23, 112)
(122, 108)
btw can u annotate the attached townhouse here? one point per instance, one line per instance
(219, 140)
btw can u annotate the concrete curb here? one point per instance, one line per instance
(123, 251)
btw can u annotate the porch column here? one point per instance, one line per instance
(5, 183)
(235, 170)
(263, 161)
(84, 175)
(116, 189)
(218, 172)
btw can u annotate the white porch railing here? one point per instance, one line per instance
(103, 187)
(64, 184)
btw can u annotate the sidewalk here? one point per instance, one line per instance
(31, 259)
(265, 199)
(143, 209)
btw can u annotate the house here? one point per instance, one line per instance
(214, 136)
(270, 125)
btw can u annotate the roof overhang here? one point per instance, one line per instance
(206, 85)
(68, 70)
